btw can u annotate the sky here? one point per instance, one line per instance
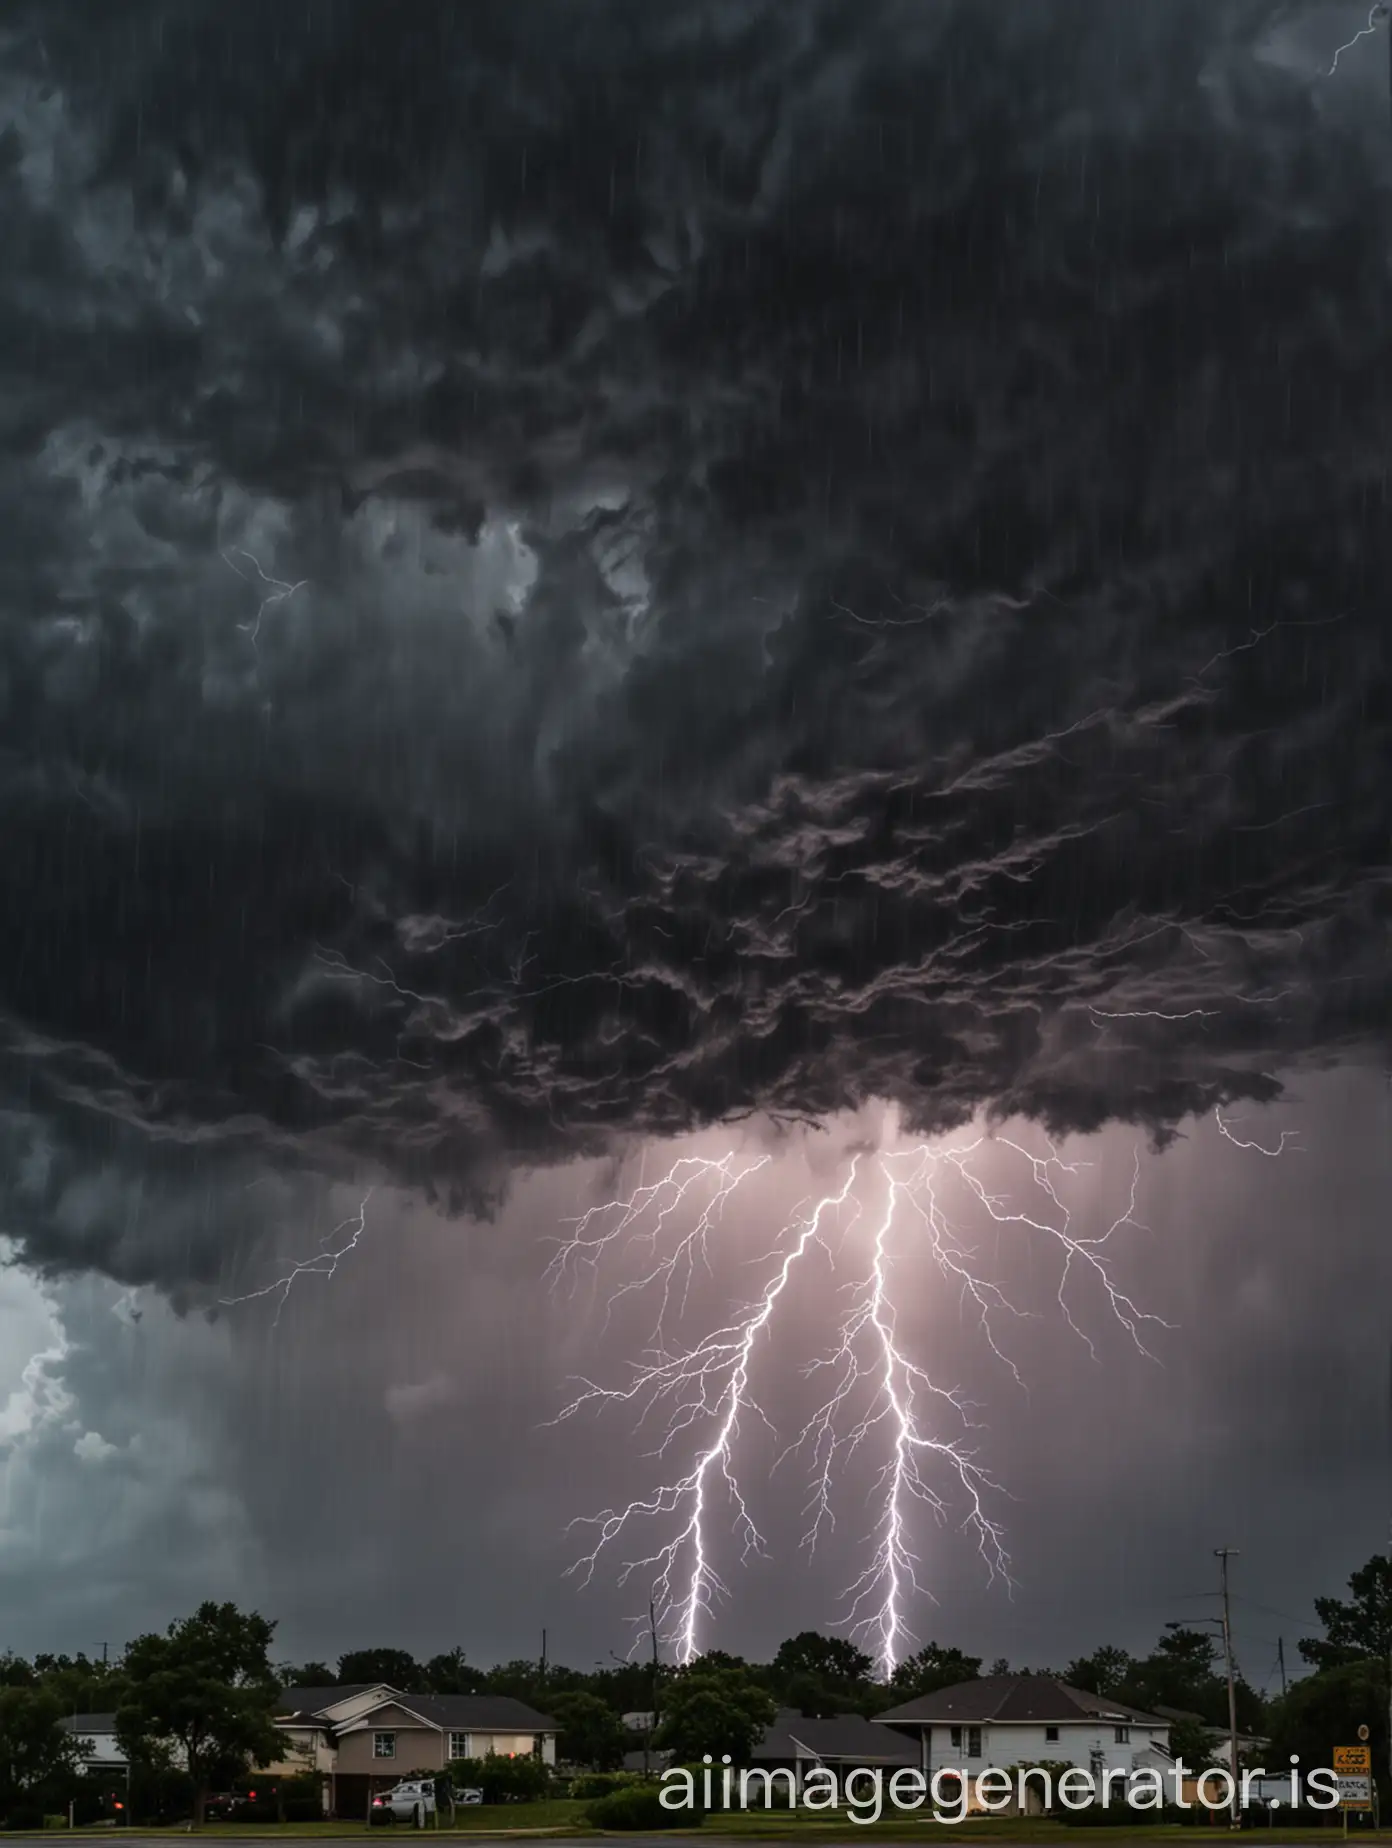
(583, 589)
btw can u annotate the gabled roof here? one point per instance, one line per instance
(311, 1701)
(84, 1725)
(461, 1713)
(846, 1736)
(1013, 1699)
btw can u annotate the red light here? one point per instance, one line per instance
(120, 1806)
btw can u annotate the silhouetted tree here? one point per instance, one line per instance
(396, 1667)
(1359, 1627)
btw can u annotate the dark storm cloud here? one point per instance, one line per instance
(572, 571)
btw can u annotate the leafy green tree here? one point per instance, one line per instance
(933, 1667)
(207, 1688)
(450, 1673)
(1106, 1671)
(715, 1711)
(36, 1749)
(828, 1659)
(306, 1675)
(15, 1672)
(502, 1780)
(591, 1732)
(396, 1667)
(1357, 1627)
(813, 1697)
(1326, 1710)
(1191, 1740)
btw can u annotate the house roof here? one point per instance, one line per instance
(85, 1724)
(845, 1736)
(1019, 1699)
(315, 1700)
(464, 1713)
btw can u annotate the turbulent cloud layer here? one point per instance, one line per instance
(575, 571)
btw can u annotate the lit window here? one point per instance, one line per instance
(384, 1745)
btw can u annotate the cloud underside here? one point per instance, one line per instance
(572, 573)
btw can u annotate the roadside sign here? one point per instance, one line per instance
(1358, 1758)
(1355, 1791)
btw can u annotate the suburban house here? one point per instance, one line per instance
(1001, 1721)
(363, 1737)
(845, 1742)
(97, 1734)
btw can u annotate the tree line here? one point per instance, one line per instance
(195, 1706)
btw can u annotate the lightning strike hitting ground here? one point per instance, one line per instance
(324, 1263)
(878, 1391)
(709, 1381)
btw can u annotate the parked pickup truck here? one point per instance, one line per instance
(410, 1802)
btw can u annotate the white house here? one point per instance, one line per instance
(1000, 1721)
(96, 1734)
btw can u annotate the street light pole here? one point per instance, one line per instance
(1223, 1554)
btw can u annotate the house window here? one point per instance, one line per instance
(956, 1738)
(968, 1738)
(459, 1746)
(1051, 1732)
(1123, 1735)
(384, 1745)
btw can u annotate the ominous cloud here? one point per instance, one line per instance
(571, 572)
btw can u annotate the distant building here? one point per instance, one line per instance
(842, 1743)
(999, 1721)
(97, 1734)
(364, 1737)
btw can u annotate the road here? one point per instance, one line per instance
(851, 1839)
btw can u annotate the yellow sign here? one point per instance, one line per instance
(1353, 1758)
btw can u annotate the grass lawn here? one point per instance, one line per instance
(566, 1816)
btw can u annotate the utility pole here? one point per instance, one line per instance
(542, 1678)
(1389, 1414)
(656, 1672)
(1281, 1659)
(1223, 1554)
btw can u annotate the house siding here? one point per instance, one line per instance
(1004, 1745)
(418, 1747)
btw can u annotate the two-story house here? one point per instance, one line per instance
(361, 1738)
(1000, 1721)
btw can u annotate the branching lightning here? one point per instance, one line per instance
(878, 1396)
(324, 1263)
(276, 591)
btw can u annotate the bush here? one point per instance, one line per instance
(27, 1817)
(502, 1780)
(640, 1807)
(592, 1785)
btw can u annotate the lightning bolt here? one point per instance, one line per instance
(1258, 1148)
(708, 1384)
(324, 1263)
(277, 591)
(1376, 15)
(878, 1394)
